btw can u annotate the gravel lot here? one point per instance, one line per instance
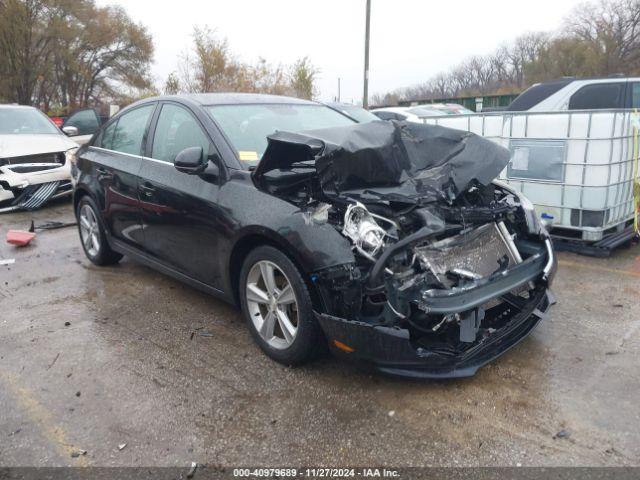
(174, 374)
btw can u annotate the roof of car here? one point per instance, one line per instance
(390, 109)
(237, 98)
(341, 104)
(9, 105)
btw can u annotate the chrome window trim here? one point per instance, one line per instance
(114, 151)
(162, 162)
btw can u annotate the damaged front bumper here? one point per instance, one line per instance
(394, 350)
(27, 187)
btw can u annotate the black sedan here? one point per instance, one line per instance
(389, 242)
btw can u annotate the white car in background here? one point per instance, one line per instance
(35, 158)
(418, 113)
(579, 94)
(396, 113)
(437, 109)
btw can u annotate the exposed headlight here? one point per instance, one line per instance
(533, 223)
(530, 215)
(70, 155)
(361, 227)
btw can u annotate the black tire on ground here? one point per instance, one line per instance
(105, 255)
(309, 341)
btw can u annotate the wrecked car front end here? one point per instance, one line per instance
(451, 268)
(34, 169)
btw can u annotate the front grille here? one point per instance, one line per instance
(55, 157)
(33, 197)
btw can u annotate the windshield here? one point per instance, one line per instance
(247, 126)
(536, 94)
(25, 121)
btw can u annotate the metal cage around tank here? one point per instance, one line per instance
(577, 167)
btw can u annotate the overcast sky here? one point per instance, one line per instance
(411, 40)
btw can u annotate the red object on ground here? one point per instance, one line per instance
(20, 238)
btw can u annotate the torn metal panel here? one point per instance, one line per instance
(389, 160)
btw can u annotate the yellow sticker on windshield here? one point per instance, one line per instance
(248, 156)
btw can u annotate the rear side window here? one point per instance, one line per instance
(598, 96)
(130, 129)
(635, 95)
(176, 130)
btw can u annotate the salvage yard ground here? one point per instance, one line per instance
(92, 358)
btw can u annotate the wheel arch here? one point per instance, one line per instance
(78, 193)
(253, 240)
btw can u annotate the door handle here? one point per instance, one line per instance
(104, 174)
(147, 190)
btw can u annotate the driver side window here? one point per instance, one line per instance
(176, 130)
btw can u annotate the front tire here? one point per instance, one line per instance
(92, 234)
(277, 307)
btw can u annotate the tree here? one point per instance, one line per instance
(562, 57)
(303, 75)
(524, 50)
(102, 53)
(610, 32)
(172, 84)
(70, 52)
(266, 78)
(211, 66)
(26, 39)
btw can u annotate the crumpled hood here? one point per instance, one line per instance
(20, 145)
(389, 160)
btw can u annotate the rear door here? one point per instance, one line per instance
(116, 157)
(180, 214)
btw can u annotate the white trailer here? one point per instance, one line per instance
(577, 167)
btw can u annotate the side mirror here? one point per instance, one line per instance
(70, 131)
(191, 161)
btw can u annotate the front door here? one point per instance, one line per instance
(179, 211)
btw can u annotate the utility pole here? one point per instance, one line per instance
(365, 95)
(338, 89)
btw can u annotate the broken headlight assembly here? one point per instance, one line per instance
(362, 227)
(531, 217)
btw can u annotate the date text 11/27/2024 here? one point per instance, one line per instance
(317, 472)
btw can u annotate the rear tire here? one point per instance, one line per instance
(277, 307)
(92, 234)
